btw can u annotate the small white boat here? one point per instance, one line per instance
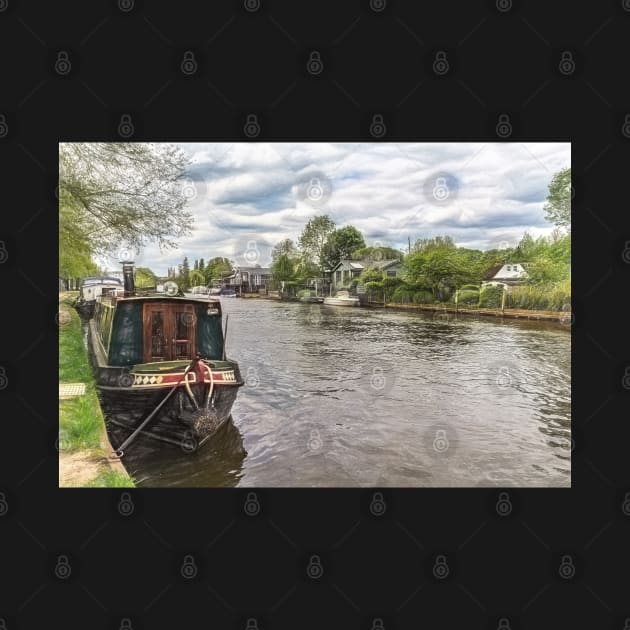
(342, 298)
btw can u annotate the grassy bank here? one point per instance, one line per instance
(83, 443)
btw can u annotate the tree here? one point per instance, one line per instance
(340, 244)
(114, 195)
(145, 278)
(314, 237)
(184, 275)
(217, 269)
(202, 266)
(377, 253)
(558, 206)
(284, 248)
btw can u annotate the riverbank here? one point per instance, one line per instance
(563, 317)
(83, 442)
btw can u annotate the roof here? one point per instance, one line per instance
(511, 271)
(262, 270)
(364, 264)
(101, 280)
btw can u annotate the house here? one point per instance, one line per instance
(510, 274)
(248, 279)
(345, 271)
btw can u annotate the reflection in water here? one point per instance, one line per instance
(365, 397)
(217, 463)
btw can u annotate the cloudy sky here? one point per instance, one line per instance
(248, 196)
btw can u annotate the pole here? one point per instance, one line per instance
(227, 315)
(503, 299)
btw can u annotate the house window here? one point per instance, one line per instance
(391, 274)
(339, 276)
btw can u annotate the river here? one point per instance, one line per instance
(339, 396)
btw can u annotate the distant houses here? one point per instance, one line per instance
(248, 279)
(345, 271)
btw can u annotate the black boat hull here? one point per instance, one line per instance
(181, 420)
(85, 309)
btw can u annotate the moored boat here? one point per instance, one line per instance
(160, 364)
(342, 298)
(93, 288)
(310, 297)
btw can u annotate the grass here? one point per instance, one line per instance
(81, 421)
(111, 479)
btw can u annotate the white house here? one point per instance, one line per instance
(510, 274)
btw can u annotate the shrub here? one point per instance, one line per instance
(490, 296)
(469, 287)
(555, 297)
(423, 296)
(468, 297)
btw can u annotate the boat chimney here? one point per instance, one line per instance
(130, 285)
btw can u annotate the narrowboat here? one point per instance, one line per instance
(160, 365)
(91, 289)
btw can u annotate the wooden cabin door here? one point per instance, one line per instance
(169, 332)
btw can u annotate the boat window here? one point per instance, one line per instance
(158, 338)
(183, 334)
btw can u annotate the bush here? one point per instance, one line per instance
(556, 297)
(303, 293)
(469, 287)
(491, 296)
(423, 297)
(469, 297)
(402, 295)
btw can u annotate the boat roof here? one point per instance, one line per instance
(161, 297)
(101, 280)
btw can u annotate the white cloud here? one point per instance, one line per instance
(252, 190)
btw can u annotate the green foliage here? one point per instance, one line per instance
(340, 245)
(467, 297)
(545, 298)
(423, 297)
(314, 237)
(558, 206)
(491, 296)
(118, 194)
(111, 479)
(216, 269)
(145, 278)
(376, 254)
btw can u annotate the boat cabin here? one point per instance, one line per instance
(145, 329)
